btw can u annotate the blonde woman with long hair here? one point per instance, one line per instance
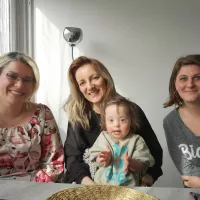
(91, 85)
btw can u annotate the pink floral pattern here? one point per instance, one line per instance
(33, 147)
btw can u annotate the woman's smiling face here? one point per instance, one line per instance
(187, 83)
(19, 90)
(91, 84)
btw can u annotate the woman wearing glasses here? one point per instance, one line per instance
(30, 144)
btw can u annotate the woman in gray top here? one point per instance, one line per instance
(182, 125)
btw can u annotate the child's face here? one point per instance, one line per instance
(117, 121)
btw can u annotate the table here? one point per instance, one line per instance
(24, 190)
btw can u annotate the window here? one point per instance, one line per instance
(4, 27)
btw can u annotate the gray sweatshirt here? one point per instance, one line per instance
(183, 145)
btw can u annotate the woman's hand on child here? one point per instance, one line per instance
(104, 157)
(147, 180)
(87, 181)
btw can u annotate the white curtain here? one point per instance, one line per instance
(53, 56)
(4, 27)
(21, 26)
(16, 26)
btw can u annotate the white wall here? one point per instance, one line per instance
(138, 41)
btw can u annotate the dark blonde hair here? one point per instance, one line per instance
(174, 98)
(129, 107)
(77, 106)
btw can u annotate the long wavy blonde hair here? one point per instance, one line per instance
(174, 98)
(21, 57)
(77, 106)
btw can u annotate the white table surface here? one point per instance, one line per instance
(22, 190)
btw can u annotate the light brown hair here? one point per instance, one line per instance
(129, 107)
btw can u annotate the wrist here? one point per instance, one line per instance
(109, 160)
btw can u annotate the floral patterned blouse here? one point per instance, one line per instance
(33, 149)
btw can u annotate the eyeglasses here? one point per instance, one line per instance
(13, 77)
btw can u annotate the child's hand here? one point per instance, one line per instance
(132, 164)
(126, 162)
(104, 157)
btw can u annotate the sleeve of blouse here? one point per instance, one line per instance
(52, 154)
(74, 148)
(181, 161)
(145, 130)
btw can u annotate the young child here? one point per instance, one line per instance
(121, 155)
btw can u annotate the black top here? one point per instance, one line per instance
(79, 139)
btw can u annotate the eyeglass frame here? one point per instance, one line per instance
(16, 78)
